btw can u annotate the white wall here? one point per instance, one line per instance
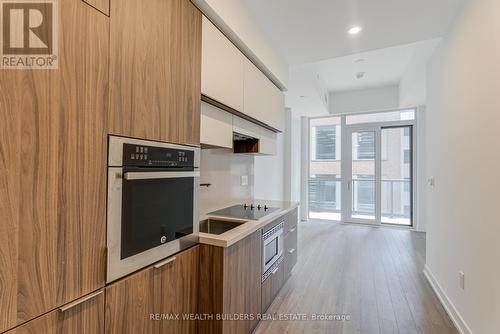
(463, 118)
(234, 19)
(371, 99)
(223, 170)
(269, 174)
(413, 84)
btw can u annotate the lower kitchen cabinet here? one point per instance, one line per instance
(230, 284)
(272, 285)
(82, 316)
(150, 300)
(291, 241)
(290, 251)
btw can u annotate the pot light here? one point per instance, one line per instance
(354, 30)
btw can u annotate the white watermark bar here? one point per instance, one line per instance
(246, 316)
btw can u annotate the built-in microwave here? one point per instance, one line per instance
(152, 202)
(272, 250)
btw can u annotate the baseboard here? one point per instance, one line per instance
(447, 304)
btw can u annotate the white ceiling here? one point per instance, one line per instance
(381, 67)
(310, 84)
(306, 31)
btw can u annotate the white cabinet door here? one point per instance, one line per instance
(216, 127)
(262, 99)
(267, 142)
(244, 127)
(222, 68)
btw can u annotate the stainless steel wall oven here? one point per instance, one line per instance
(152, 202)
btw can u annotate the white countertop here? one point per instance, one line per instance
(236, 234)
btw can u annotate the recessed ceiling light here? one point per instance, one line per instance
(354, 30)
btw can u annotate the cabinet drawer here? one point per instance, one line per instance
(291, 250)
(292, 219)
(271, 286)
(85, 315)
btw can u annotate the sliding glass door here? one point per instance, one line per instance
(396, 175)
(361, 168)
(379, 185)
(363, 165)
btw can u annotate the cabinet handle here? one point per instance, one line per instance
(80, 301)
(292, 230)
(275, 270)
(167, 261)
(291, 251)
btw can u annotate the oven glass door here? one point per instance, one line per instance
(155, 210)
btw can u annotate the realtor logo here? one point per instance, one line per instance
(29, 34)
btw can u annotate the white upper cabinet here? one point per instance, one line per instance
(222, 68)
(216, 127)
(228, 77)
(262, 99)
(268, 144)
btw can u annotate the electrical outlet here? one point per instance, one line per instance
(244, 180)
(431, 182)
(461, 278)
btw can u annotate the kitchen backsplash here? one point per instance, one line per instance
(223, 170)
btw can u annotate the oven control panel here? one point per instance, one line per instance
(151, 156)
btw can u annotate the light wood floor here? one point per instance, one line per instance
(374, 275)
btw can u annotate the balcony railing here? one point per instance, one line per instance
(324, 197)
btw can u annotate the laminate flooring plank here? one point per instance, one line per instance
(373, 275)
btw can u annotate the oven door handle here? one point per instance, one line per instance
(158, 175)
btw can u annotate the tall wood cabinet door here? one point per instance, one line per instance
(82, 317)
(155, 70)
(144, 302)
(222, 68)
(53, 172)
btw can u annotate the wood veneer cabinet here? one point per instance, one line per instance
(53, 174)
(230, 283)
(86, 317)
(291, 241)
(155, 70)
(272, 286)
(168, 288)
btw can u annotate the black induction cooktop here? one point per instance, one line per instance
(245, 211)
